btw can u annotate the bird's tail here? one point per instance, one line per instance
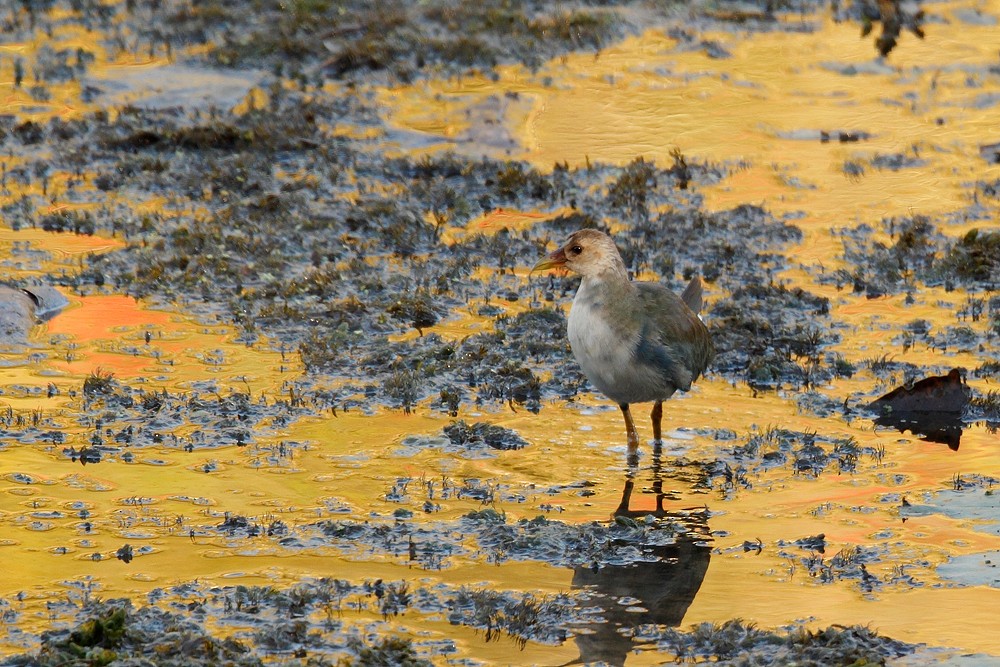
(692, 294)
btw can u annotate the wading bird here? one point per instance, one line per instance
(635, 341)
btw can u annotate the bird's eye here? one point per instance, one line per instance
(576, 250)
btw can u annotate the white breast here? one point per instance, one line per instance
(599, 347)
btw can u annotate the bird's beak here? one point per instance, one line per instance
(555, 260)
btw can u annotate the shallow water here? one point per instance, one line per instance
(924, 516)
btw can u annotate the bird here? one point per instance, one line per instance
(636, 341)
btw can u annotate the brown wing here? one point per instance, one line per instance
(673, 340)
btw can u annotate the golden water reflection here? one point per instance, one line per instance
(642, 97)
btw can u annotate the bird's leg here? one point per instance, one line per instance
(656, 415)
(633, 437)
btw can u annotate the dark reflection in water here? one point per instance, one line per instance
(656, 590)
(943, 427)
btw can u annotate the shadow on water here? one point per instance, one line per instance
(655, 589)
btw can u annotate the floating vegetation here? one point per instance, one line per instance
(494, 437)
(739, 642)
(975, 258)
(99, 383)
(761, 333)
(307, 620)
(385, 651)
(848, 564)
(986, 406)
(477, 440)
(919, 252)
(118, 419)
(114, 631)
(487, 536)
(809, 454)
(520, 617)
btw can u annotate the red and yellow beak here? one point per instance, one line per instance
(555, 260)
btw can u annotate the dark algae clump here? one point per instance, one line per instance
(495, 437)
(114, 632)
(740, 643)
(919, 252)
(772, 336)
(975, 258)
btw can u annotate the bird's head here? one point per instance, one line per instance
(587, 252)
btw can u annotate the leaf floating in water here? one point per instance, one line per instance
(939, 393)
(931, 408)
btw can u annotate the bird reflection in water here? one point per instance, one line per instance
(656, 590)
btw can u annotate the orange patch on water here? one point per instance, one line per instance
(100, 315)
